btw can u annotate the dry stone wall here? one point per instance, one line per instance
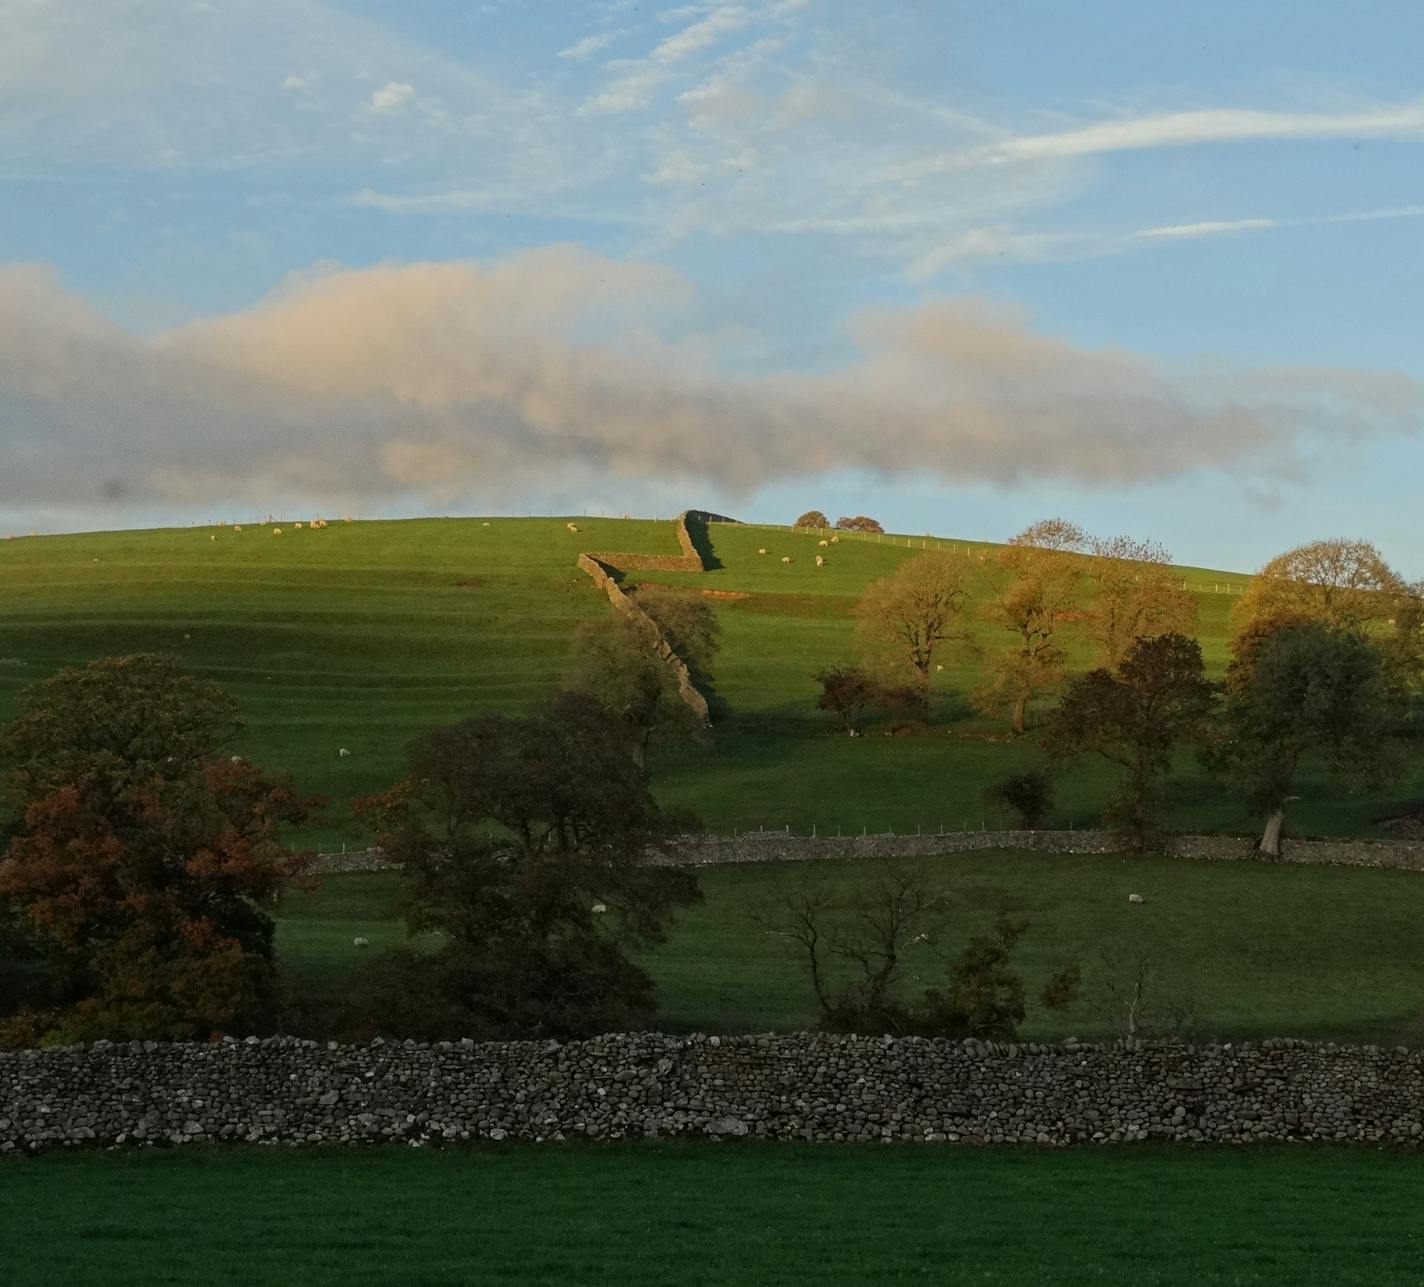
(777, 846)
(804, 1087)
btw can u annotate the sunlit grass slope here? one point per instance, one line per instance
(364, 634)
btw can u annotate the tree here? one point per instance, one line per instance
(852, 692)
(1341, 584)
(529, 845)
(1041, 570)
(912, 611)
(1136, 595)
(1310, 690)
(887, 917)
(813, 518)
(1028, 794)
(860, 523)
(144, 860)
(1135, 717)
(619, 660)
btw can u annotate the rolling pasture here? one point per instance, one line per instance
(362, 635)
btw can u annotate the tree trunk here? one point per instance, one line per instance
(1020, 709)
(1270, 842)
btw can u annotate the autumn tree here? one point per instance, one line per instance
(1309, 690)
(910, 613)
(623, 662)
(1341, 584)
(1135, 595)
(144, 860)
(1040, 571)
(1135, 717)
(528, 845)
(813, 518)
(860, 523)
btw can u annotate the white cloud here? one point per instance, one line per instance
(463, 381)
(1207, 228)
(589, 45)
(392, 96)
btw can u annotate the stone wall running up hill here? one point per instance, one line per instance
(774, 1087)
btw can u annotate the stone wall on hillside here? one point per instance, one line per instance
(778, 846)
(602, 576)
(801, 1087)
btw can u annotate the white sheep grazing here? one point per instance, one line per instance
(1135, 898)
(236, 759)
(820, 562)
(761, 551)
(297, 526)
(484, 524)
(573, 527)
(343, 752)
(212, 538)
(360, 942)
(276, 531)
(786, 558)
(939, 666)
(823, 542)
(835, 540)
(237, 527)
(599, 908)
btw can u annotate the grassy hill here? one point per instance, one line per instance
(364, 634)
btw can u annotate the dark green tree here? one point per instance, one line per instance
(1307, 689)
(1136, 717)
(530, 845)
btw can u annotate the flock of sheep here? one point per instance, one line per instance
(820, 558)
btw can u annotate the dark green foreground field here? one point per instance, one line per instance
(1253, 949)
(650, 1213)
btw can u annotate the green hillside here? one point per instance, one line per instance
(363, 634)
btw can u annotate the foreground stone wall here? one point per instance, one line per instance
(780, 1087)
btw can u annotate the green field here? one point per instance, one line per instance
(1256, 950)
(652, 1213)
(364, 634)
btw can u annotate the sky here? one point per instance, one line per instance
(960, 266)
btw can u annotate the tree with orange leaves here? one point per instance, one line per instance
(142, 859)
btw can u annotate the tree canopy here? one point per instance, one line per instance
(1135, 717)
(812, 518)
(1338, 583)
(910, 613)
(529, 845)
(1309, 690)
(143, 860)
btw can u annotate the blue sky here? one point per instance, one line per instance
(961, 266)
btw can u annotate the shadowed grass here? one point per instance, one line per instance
(649, 1213)
(1255, 949)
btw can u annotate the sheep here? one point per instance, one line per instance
(1135, 898)
(484, 524)
(599, 908)
(235, 759)
(761, 551)
(786, 558)
(237, 527)
(820, 562)
(358, 941)
(343, 753)
(835, 540)
(212, 538)
(298, 526)
(939, 666)
(573, 527)
(276, 531)
(823, 542)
